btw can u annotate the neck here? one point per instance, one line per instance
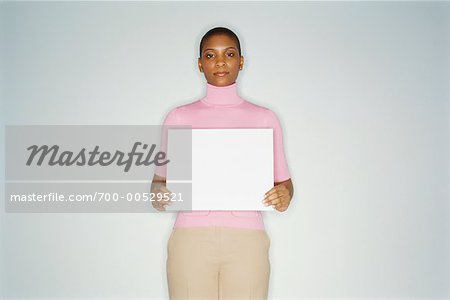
(222, 95)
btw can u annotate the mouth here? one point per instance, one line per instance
(221, 74)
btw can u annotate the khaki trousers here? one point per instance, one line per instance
(211, 263)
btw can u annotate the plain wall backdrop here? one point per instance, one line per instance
(362, 92)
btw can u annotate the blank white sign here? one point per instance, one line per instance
(232, 169)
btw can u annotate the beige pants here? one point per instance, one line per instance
(213, 263)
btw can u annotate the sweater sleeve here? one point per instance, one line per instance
(170, 120)
(281, 171)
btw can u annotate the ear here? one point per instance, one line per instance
(200, 65)
(241, 63)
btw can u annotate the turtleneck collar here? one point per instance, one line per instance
(222, 95)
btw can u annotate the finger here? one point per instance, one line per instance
(162, 198)
(275, 189)
(273, 197)
(276, 201)
(270, 192)
(159, 187)
(163, 206)
(269, 200)
(158, 206)
(166, 202)
(281, 208)
(281, 204)
(165, 189)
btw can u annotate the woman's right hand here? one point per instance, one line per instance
(162, 194)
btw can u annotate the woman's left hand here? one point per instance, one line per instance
(279, 196)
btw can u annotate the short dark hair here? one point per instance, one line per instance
(220, 30)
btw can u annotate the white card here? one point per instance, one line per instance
(232, 169)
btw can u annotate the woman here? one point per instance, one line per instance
(223, 254)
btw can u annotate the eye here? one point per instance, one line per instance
(209, 55)
(231, 54)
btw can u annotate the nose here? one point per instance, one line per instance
(220, 61)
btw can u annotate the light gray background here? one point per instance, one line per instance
(361, 89)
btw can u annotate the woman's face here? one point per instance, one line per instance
(220, 60)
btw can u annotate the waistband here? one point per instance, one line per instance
(219, 218)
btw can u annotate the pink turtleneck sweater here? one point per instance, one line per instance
(222, 107)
